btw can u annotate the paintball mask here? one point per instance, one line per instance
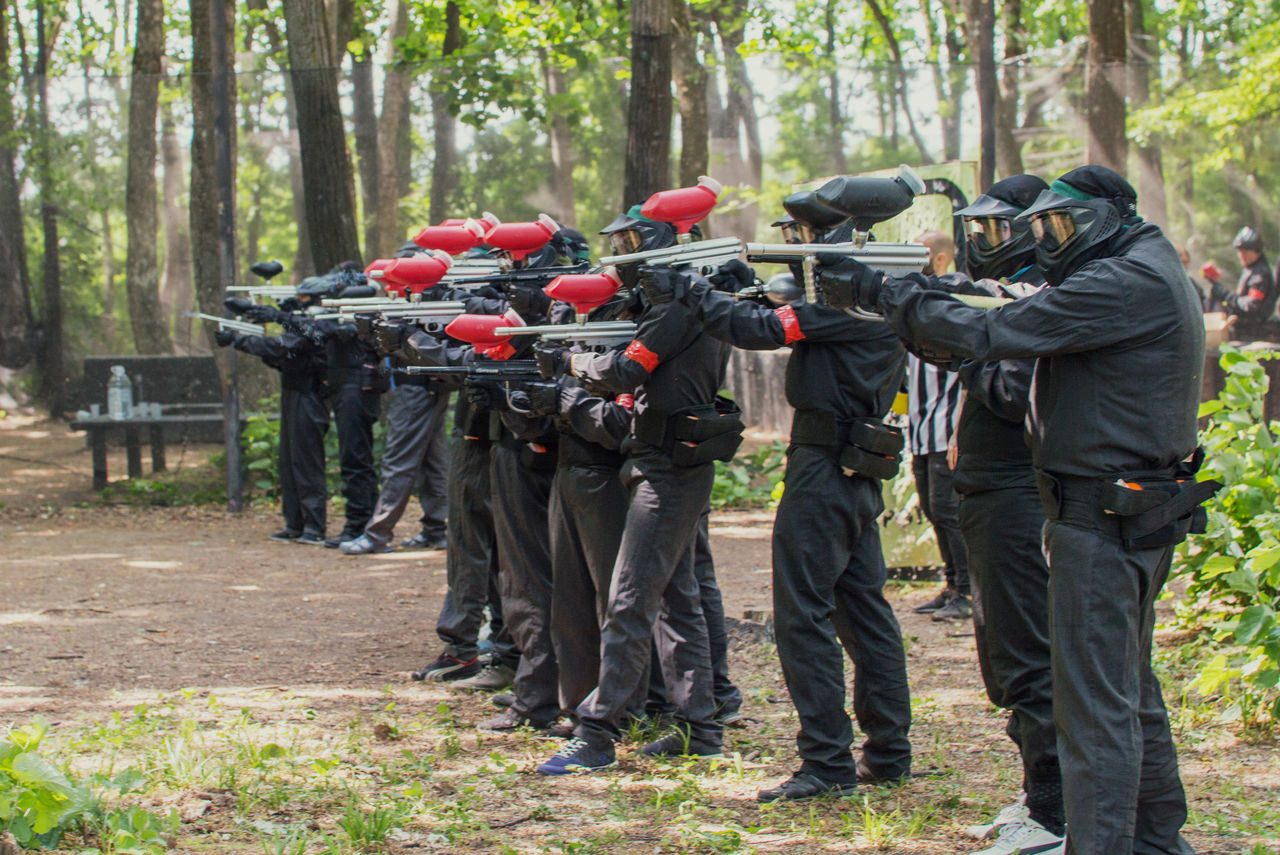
(633, 232)
(1069, 232)
(998, 244)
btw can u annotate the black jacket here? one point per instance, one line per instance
(1120, 349)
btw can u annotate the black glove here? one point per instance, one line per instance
(660, 284)
(223, 337)
(261, 314)
(364, 326)
(544, 398)
(733, 275)
(487, 394)
(1218, 291)
(528, 301)
(238, 305)
(850, 283)
(553, 361)
(388, 337)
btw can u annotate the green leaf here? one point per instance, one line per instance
(32, 769)
(1254, 620)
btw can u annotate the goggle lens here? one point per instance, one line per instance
(626, 241)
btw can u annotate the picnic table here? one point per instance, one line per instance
(98, 427)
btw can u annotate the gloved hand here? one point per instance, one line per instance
(261, 314)
(364, 326)
(238, 305)
(528, 301)
(1218, 291)
(850, 283)
(487, 394)
(223, 337)
(734, 275)
(553, 360)
(544, 398)
(388, 337)
(660, 284)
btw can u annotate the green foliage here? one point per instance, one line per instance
(750, 480)
(41, 802)
(260, 450)
(1233, 570)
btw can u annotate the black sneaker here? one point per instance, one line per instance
(577, 757)
(310, 538)
(421, 541)
(344, 537)
(286, 535)
(802, 785)
(945, 596)
(960, 608)
(510, 720)
(871, 777)
(679, 744)
(446, 667)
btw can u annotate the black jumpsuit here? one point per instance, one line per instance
(670, 366)
(1254, 301)
(828, 569)
(1120, 348)
(304, 419)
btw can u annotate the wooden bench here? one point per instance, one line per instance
(100, 427)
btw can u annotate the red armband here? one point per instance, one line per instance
(637, 352)
(627, 402)
(1256, 294)
(790, 324)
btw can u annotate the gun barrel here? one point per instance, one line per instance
(698, 253)
(574, 332)
(229, 323)
(895, 259)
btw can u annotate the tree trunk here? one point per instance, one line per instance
(835, 95)
(364, 121)
(176, 291)
(742, 119)
(649, 105)
(326, 168)
(561, 144)
(15, 296)
(1105, 85)
(1008, 146)
(142, 273)
(206, 262)
(1144, 55)
(395, 102)
(53, 378)
(980, 34)
(691, 97)
(443, 125)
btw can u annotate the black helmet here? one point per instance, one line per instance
(1000, 245)
(633, 232)
(1248, 238)
(1073, 225)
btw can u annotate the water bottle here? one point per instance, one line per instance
(119, 394)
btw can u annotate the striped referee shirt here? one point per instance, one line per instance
(933, 405)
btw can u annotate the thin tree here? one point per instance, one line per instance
(649, 105)
(15, 300)
(444, 125)
(1105, 85)
(142, 273)
(1144, 56)
(53, 376)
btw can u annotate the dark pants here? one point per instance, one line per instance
(587, 513)
(653, 583)
(471, 564)
(1121, 788)
(520, 496)
(304, 418)
(415, 452)
(355, 411)
(1003, 532)
(727, 696)
(941, 506)
(828, 580)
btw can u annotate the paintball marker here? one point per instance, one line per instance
(243, 327)
(585, 292)
(508, 370)
(513, 278)
(704, 255)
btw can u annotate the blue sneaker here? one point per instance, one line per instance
(363, 545)
(577, 757)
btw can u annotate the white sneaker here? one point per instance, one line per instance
(1015, 812)
(1025, 837)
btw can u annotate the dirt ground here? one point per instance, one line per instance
(104, 606)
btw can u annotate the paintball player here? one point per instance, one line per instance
(304, 419)
(1002, 521)
(1253, 303)
(828, 570)
(933, 396)
(356, 381)
(1120, 347)
(674, 371)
